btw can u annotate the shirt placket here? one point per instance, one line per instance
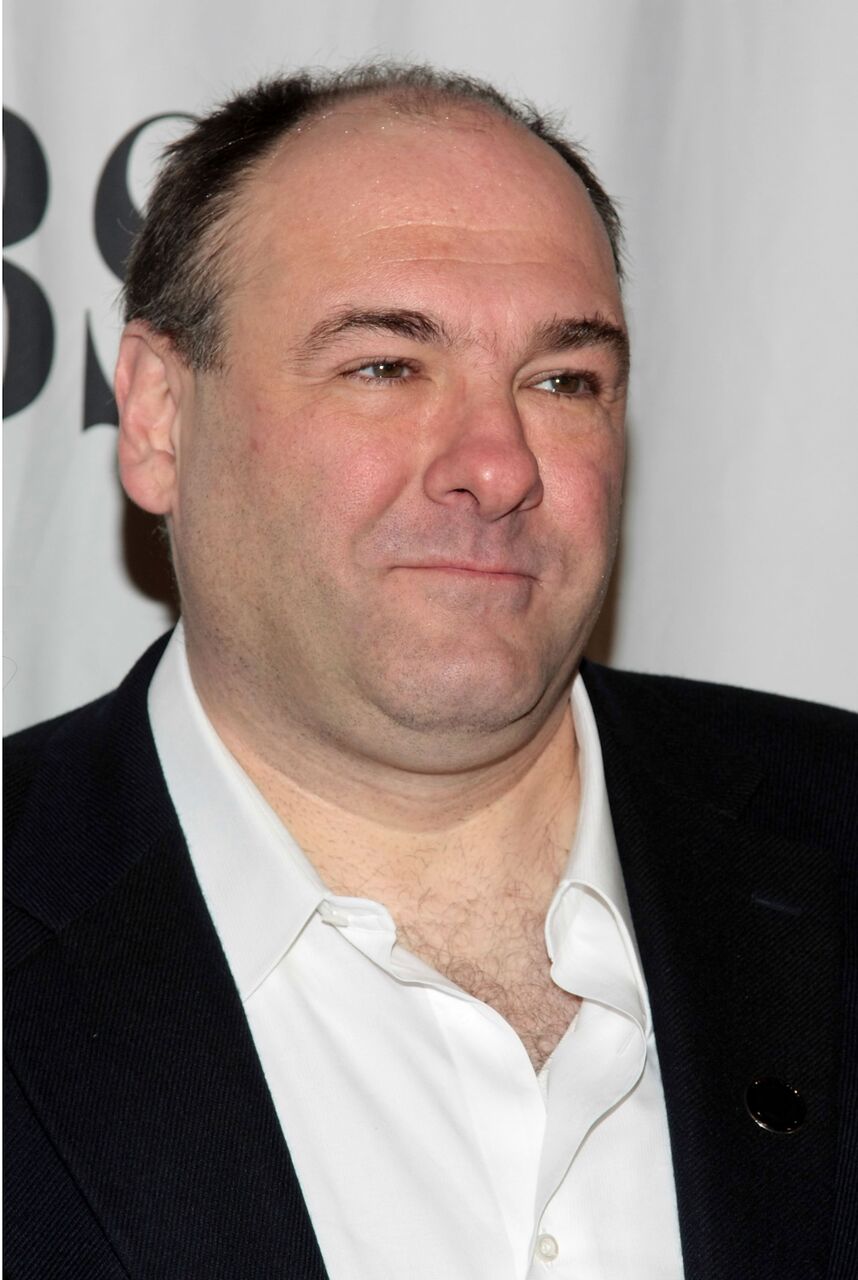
(596, 1064)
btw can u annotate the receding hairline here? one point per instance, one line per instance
(433, 106)
(429, 106)
(186, 259)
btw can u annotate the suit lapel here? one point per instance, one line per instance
(738, 934)
(130, 1041)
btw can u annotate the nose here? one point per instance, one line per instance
(486, 463)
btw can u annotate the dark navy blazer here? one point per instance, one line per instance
(141, 1138)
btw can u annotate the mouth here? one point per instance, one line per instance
(465, 570)
(467, 579)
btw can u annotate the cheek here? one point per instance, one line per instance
(585, 491)
(331, 472)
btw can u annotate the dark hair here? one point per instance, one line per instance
(178, 268)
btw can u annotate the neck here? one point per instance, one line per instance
(398, 836)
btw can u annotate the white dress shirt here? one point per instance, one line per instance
(426, 1145)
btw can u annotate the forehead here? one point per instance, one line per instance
(371, 187)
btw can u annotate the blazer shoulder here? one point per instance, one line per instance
(24, 753)
(728, 707)
(84, 800)
(803, 755)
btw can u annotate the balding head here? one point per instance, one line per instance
(181, 267)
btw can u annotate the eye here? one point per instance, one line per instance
(568, 384)
(382, 371)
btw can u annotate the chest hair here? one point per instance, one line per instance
(497, 954)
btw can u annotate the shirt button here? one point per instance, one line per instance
(547, 1248)
(334, 915)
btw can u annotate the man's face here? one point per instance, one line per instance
(397, 504)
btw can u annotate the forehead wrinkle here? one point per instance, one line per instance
(446, 224)
(468, 262)
(506, 244)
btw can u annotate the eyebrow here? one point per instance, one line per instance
(554, 335)
(415, 325)
(588, 331)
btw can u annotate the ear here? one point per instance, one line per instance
(150, 384)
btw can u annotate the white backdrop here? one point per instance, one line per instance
(727, 132)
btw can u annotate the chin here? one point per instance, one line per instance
(458, 695)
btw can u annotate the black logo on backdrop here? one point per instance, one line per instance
(30, 350)
(31, 327)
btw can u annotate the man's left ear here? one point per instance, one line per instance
(150, 384)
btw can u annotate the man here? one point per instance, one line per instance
(356, 934)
